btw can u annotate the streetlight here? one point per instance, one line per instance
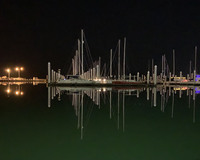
(8, 70)
(18, 69)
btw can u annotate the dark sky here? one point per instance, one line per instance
(35, 32)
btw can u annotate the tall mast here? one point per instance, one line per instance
(76, 62)
(190, 70)
(152, 66)
(110, 63)
(173, 63)
(82, 50)
(124, 60)
(119, 59)
(79, 58)
(100, 65)
(164, 65)
(73, 66)
(195, 57)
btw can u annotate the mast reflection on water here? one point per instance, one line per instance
(98, 94)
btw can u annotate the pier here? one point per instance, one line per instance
(24, 80)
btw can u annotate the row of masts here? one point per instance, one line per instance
(77, 60)
(97, 68)
(95, 71)
(166, 71)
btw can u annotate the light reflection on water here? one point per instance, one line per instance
(99, 95)
(99, 123)
(16, 88)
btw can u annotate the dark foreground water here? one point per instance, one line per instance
(137, 130)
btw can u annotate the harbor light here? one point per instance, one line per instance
(104, 80)
(18, 69)
(8, 71)
(96, 79)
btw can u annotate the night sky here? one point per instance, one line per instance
(35, 32)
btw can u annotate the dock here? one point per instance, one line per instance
(23, 80)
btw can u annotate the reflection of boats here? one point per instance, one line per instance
(94, 94)
(115, 97)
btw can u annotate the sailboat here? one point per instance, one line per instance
(92, 75)
(79, 77)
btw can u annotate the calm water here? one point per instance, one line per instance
(84, 124)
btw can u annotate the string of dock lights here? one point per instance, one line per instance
(100, 80)
(18, 69)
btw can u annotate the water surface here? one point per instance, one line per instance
(83, 123)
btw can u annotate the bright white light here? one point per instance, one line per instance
(17, 93)
(8, 90)
(18, 69)
(8, 70)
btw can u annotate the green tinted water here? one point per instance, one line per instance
(30, 130)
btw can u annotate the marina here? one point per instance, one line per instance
(100, 80)
(96, 75)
